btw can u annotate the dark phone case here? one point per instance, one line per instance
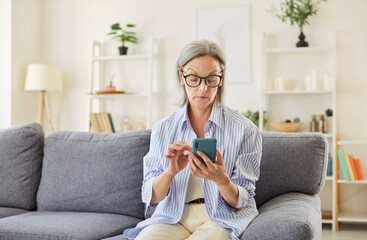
(205, 145)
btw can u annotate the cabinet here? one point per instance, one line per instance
(293, 96)
(351, 195)
(136, 75)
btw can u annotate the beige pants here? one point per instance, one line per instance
(194, 224)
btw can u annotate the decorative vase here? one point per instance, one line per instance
(123, 50)
(302, 42)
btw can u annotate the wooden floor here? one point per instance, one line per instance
(346, 232)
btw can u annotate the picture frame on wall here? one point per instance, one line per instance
(230, 27)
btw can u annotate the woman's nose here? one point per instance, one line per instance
(203, 86)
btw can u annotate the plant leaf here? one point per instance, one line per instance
(115, 26)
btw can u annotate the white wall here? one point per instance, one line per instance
(20, 44)
(26, 48)
(5, 66)
(68, 28)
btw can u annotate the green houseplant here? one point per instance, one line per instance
(123, 36)
(255, 117)
(297, 12)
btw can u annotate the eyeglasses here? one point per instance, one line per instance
(193, 80)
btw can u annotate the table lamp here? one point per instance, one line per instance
(43, 78)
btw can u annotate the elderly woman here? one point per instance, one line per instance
(185, 198)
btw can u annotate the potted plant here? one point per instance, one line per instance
(297, 12)
(255, 117)
(123, 35)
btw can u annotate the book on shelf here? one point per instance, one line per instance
(111, 122)
(101, 122)
(93, 122)
(343, 164)
(327, 214)
(329, 171)
(359, 169)
(351, 159)
(349, 167)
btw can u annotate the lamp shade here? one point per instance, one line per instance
(43, 77)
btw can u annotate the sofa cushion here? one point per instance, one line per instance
(94, 172)
(291, 162)
(287, 217)
(64, 226)
(21, 152)
(7, 212)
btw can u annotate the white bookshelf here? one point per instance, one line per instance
(329, 178)
(295, 92)
(359, 214)
(295, 63)
(297, 50)
(352, 217)
(146, 93)
(352, 182)
(121, 57)
(327, 221)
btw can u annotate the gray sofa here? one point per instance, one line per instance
(80, 185)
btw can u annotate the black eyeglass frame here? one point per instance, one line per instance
(201, 78)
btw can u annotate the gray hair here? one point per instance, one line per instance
(200, 48)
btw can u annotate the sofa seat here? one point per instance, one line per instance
(7, 212)
(287, 217)
(42, 225)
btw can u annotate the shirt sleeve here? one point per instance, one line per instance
(247, 166)
(152, 169)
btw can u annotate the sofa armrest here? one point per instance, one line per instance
(291, 162)
(288, 216)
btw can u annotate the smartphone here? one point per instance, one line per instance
(205, 145)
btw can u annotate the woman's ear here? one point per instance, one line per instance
(221, 82)
(181, 77)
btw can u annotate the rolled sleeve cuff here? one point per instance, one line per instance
(148, 192)
(242, 197)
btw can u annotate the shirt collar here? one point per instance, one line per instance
(215, 116)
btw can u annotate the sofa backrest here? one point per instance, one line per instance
(21, 152)
(94, 172)
(291, 162)
(99, 172)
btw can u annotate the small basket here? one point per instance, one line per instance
(286, 127)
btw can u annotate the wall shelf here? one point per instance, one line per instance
(121, 58)
(120, 95)
(352, 142)
(295, 64)
(355, 217)
(352, 182)
(349, 216)
(143, 84)
(297, 92)
(297, 50)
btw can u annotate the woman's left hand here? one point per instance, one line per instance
(215, 172)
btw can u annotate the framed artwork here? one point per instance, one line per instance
(230, 27)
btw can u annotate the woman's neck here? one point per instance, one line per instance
(198, 118)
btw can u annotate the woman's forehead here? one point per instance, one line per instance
(203, 63)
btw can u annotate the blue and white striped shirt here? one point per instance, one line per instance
(240, 143)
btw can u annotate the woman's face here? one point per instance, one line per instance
(201, 96)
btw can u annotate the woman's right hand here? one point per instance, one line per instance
(177, 159)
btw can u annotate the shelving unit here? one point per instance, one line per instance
(137, 89)
(358, 188)
(279, 105)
